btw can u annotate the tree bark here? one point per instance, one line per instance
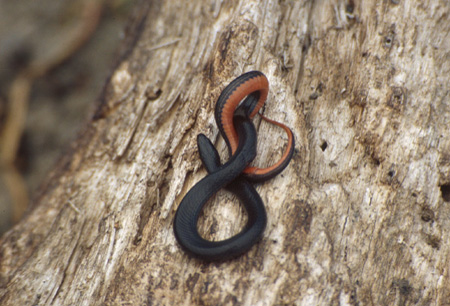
(358, 218)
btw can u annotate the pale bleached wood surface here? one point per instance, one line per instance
(361, 215)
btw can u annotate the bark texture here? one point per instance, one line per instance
(358, 218)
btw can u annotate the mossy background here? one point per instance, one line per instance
(63, 98)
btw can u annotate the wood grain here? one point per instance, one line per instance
(358, 218)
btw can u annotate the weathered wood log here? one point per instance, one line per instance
(358, 218)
